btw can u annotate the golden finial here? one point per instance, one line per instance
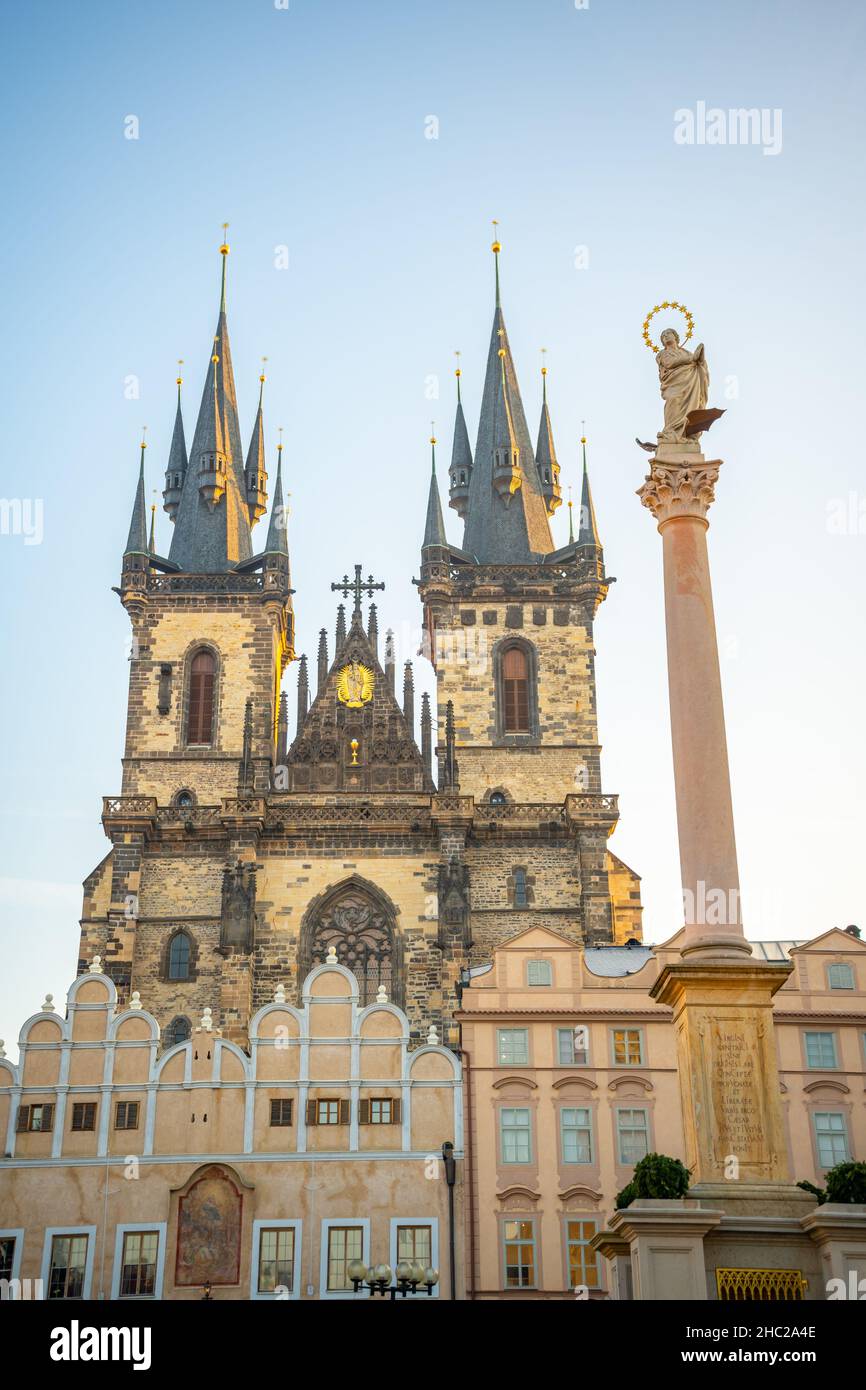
(262, 377)
(457, 371)
(143, 438)
(497, 246)
(224, 249)
(280, 445)
(179, 377)
(543, 367)
(501, 352)
(583, 431)
(215, 357)
(432, 431)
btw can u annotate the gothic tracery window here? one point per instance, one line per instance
(360, 930)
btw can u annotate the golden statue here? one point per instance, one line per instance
(355, 685)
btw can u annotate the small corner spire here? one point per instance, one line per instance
(136, 542)
(588, 532)
(277, 542)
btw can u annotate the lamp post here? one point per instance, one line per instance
(411, 1275)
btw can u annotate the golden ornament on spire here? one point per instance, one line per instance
(497, 245)
(179, 378)
(224, 249)
(457, 371)
(262, 377)
(543, 367)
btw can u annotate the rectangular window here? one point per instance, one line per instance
(521, 897)
(281, 1112)
(276, 1258)
(345, 1244)
(415, 1243)
(582, 1260)
(572, 1046)
(515, 1135)
(126, 1114)
(138, 1265)
(831, 1137)
(513, 1046)
(576, 1131)
(519, 1241)
(7, 1256)
(821, 1050)
(627, 1047)
(68, 1262)
(840, 976)
(539, 972)
(36, 1119)
(328, 1112)
(84, 1115)
(380, 1112)
(632, 1136)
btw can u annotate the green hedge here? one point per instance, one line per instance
(655, 1176)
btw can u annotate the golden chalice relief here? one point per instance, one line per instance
(355, 685)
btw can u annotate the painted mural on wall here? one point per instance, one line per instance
(209, 1231)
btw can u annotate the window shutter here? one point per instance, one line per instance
(288, 1111)
(363, 1112)
(312, 1113)
(345, 1112)
(132, 1114)
(275, 1112)
(396, 1112)
(47, 1117)
(23, 1117)
(120, 1115)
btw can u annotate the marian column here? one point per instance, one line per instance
(721, 998)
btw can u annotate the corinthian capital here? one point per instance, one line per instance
(682, 488)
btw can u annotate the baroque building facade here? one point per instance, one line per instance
(413, 841)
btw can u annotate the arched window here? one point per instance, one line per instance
(515, 691)
(360, 929)
(177, 1031)
(199, 722)
(178, 957)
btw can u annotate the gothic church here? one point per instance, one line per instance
(246, 846)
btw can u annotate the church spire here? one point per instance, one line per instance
(277, 542)
(434, 528)
(588, 530)
(136, 541)
(175, 471)
(545, 454)
(212, 530)
(461, 455)
(506, 514)
(255, 472)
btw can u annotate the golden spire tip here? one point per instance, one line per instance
(224, 249)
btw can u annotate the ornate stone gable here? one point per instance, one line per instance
(355, 737)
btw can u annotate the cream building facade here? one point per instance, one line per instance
(132, 1171)
(570, 1077)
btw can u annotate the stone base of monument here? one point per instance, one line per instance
(736, 1242)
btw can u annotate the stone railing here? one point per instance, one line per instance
(581, 805)
(204, 583)
(519, 811)
(122, 807)
(349, 813)
(197, 815)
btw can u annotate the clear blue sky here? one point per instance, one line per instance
(306, 128)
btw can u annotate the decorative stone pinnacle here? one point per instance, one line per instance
(679, 489)
(135, 1001)
(95, 966)
(381, 995)
(331, 957)
(433, 1036)
(48, 1004)
(280, 994)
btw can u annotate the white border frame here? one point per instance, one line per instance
(277, 1224)
(50, 1233)
(161, 1228)
(327, 1223)
(433, 1222)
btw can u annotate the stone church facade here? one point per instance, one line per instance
(246, 842)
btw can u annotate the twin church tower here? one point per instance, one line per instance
(248, 843)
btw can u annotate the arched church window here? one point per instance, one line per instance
(202, 679)
(178, 1031)
(515, 690)
(178, 957)
(360, 929)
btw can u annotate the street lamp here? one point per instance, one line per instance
(411, 1275)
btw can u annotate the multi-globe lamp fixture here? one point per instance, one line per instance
(411, 1275)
